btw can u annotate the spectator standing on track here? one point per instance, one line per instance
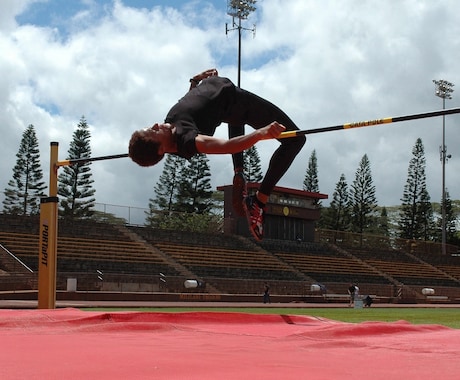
(267, 293)
(352, 291)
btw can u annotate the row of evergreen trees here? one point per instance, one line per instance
(355, 208)
(75, 183)
(183, 194)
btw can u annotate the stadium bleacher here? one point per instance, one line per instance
(230, 264)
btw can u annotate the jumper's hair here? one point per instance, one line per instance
(144, 152)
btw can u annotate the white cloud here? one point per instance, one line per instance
(9, 9)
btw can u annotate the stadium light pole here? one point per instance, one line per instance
(443, 89)
(240, 9)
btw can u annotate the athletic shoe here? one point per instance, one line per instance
(255, 216)
(239, 193)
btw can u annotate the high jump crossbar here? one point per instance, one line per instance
(74, 161)
(370, 123)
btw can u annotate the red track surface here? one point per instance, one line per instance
(74, 344)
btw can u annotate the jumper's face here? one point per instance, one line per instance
(161, 133)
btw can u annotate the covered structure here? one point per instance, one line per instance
(290, 214)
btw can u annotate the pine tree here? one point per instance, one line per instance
(310, 182)
(194, 195)
(252, 168)
(167, 186)
(362, 198)
(415, 214)
(165, 192)
(22, 196)
(183, 187)
(383, 227)
(426, 218)
(451, 222)
(338, 215)
(75, 182)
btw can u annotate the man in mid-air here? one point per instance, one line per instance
(190, 124)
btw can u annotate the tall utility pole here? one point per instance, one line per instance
(239, 9)
(444, 90)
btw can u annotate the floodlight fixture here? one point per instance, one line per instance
(240, 8)
(444, 88)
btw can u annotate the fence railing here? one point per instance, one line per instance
(129, 214)
(15, 258)
(346, 239)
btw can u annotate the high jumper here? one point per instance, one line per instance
(190, 124)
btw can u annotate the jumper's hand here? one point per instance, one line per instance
(271, 131)
(205, 74)
(194, 81)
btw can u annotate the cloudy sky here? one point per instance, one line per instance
(123, 63)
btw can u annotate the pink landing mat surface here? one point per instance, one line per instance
(74, 344)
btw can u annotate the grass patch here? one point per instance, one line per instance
(440, 316)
